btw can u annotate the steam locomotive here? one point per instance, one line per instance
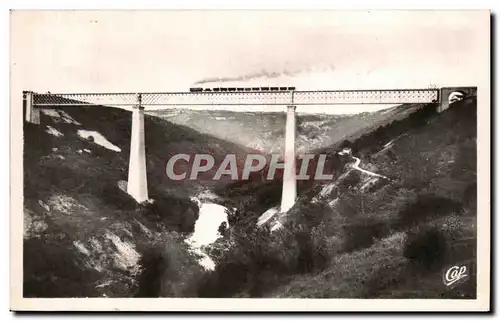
(240, 89)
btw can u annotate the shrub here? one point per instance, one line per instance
(53, 269)
(311, 225)
(470, 195)
(345, 144)
(256, 262)
(420, 117)
(168, 269)
(154, 263)
(176, 213)
(269, 194)
(315, 250)
(351, 181)
(260, 260)
(305, 215)
(114, 196)
(306, 256)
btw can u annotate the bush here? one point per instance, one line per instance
(345, 144)
(311, 225)
(426, 247)
(114, 196)
(361, 233)
(269, 194)
(260, 260)
(178, 214)
(470, 195)
(316, 251)
(53, 269)
(168, 269)
(154, 263)
(426, 207)
(257, 261)
(305, 215)
(351, 181)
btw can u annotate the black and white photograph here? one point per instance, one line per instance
(232, 155)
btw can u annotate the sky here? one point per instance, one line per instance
(148, 51)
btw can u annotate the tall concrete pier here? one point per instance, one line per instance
(289, 176)
(137, 185)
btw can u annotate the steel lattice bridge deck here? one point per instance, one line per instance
(297, 98)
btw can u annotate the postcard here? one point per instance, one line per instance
(238, 160)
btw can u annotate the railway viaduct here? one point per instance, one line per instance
(137, 185)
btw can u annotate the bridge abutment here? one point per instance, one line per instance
(137, 185)
(443, 100)
(289, 193)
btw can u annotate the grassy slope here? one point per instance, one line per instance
(420, 224)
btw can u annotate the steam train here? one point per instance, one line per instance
(240, 89)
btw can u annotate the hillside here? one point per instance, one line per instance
(397, 239)
(84, 236)
(373, 237)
